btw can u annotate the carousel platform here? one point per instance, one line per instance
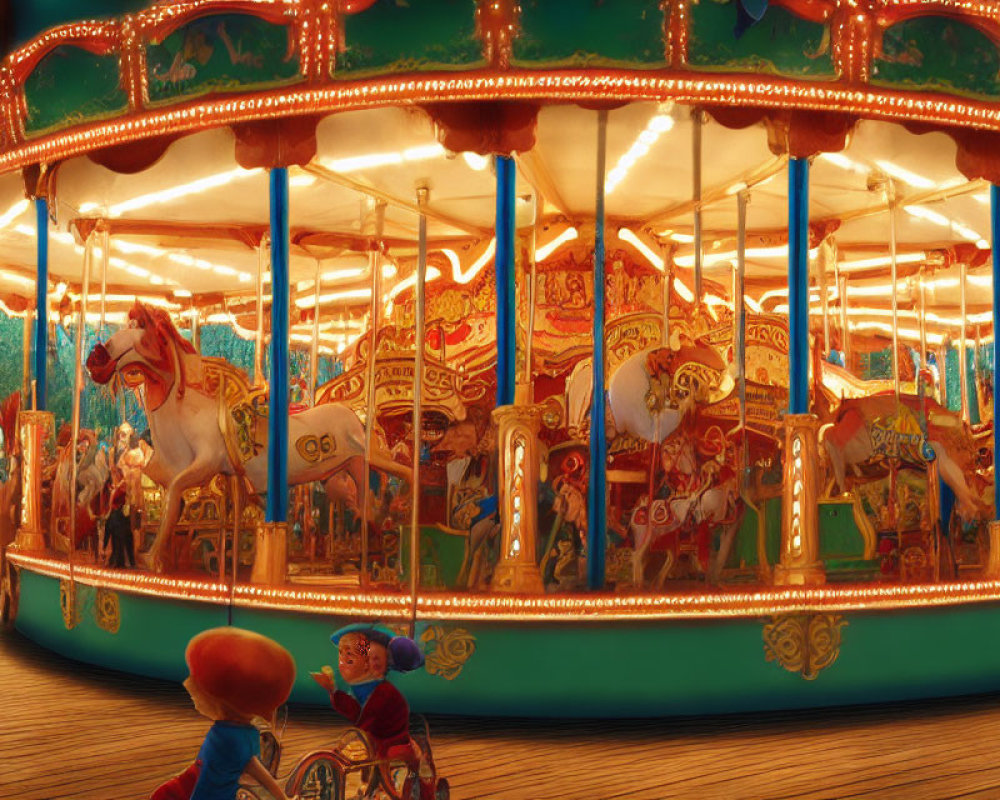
(59, 745)
(584, 655)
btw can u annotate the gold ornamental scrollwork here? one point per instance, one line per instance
(68, 603)
(107, 610)
(447, 651)
(803, 643)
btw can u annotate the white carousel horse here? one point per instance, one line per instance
(716, 504)
(189, 422)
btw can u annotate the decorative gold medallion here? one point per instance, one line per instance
(447, 651)
(107, 609)
(68, 603)
(804, 643)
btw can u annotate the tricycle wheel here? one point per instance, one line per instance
(315, 778)
(442, 791)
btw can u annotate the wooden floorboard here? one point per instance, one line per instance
(69, 731)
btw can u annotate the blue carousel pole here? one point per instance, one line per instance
(596, 488)
(798, 285)
(800, 563)
(505, 227)
(277, 454)
(995, 227)
(41, 303)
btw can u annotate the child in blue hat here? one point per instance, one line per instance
(365, 654)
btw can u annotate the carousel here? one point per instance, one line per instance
(636, 358)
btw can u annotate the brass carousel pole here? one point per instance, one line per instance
(697, 120)
(105, 258)
(375, 260)
(418, 380)
(314, 348)
(922, 316)
(963, 377)
(827, 252)
(845, 332)
(740, 322)
(308, 529)
(666, 287)
(258, 349)
(529, 372)
(890, 192)
(88, 254)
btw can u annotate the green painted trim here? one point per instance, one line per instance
(220, 54)
(565, 670)
(581, 33)
(410, 37)
(151, 640)
(938, 54)
(780, 44)
(71, 86)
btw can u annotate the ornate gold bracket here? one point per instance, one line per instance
(803, 643)
(68, 603)
(517, 570)
(35, 427)
(447, 651)
(107, 610)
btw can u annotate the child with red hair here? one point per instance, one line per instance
(236, 675)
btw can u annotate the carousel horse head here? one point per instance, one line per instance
(149, 351)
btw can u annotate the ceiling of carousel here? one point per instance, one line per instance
(186, 229)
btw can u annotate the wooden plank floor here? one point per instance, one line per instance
(77, 732)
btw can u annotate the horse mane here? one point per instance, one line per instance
(157, 321)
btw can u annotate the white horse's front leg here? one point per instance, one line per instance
(197, 474)
(664, 573)
(639, 561)
(725, 547)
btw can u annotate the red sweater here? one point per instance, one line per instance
(385, 716)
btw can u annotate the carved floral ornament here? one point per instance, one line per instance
(806, 643)
(316, 33)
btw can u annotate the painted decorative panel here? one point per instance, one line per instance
(591, 33)
(780, 44)
(221, 53)
(71, 86)
(941, 54)
(408, 37)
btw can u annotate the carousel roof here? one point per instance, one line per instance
(189, 225)
(117, 81)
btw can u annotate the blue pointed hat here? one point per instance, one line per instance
(404, 654)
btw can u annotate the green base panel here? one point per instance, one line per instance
(599, 669)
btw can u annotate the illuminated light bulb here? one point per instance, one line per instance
(881, 261)
(543, 252)
(13, 213)
(626, 235)
(900, 173)
(342, 274)
(931, 216)
(176, 192)
(842, 161)
(475, 161)
(683, 290)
